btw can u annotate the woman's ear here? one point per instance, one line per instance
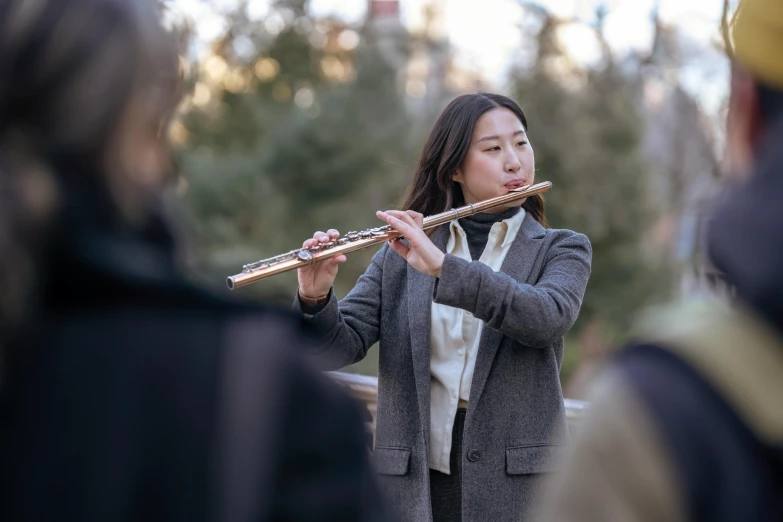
(458, 177)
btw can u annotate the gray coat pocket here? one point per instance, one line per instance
(391, 461)
(525, 460)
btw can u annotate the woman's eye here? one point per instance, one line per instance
(493, 148)
(521, 143)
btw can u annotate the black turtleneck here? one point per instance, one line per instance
(477, 229)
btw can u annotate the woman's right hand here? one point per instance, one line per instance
(317, 279)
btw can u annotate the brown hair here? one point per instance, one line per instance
(433, 189)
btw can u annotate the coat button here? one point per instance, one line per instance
(474, 455)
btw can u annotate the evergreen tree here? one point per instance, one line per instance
(297, 137)
(586, 131)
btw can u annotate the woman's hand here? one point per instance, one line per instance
(422, 254)
(317, 279)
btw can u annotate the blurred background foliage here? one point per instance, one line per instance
(293, 124)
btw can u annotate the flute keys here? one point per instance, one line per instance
(306, 256)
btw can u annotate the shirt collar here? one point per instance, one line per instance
(513, 224)
(510, 225)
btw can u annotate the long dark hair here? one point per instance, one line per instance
(78, 76)
(433, 189)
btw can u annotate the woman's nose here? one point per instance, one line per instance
(513, 164)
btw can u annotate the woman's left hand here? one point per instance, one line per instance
(422, 254)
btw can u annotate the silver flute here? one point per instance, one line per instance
(353, 241)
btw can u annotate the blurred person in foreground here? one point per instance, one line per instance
(687, 423)
(126, 394)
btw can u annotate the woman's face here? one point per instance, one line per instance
(500, 158)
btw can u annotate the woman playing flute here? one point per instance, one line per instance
(470, 320)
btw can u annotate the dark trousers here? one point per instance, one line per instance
(446, 490)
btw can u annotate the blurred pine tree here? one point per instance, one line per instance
(586, 131)
(301, 134)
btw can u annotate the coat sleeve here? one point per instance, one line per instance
(534, 315)
(349, 328)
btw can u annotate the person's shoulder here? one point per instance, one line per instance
(189, 298)
(280, 347)
(709, 441)
(657, 373)
(273, 324)
(205, 317)
(686, 406)
(678, 403)
(559, 240)
(564, 236)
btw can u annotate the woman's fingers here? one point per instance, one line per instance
(400, 248)
(420, 252)
(321, 237)
(394, 218)
(404, 225)
(331, 264)
(418, 217)
(400, 217)
(403, 216)
(316, 279)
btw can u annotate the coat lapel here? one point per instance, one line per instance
(420, 294)
(518, 263)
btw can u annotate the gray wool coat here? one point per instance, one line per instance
(515, 423)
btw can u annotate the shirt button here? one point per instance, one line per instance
(459, 352)
(453, 395)
(474, 455)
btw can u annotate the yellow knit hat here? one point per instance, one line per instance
(757, 39)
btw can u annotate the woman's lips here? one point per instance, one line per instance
(515, 184)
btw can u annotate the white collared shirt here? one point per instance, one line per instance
(454, 341)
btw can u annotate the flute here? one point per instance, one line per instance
(353, 241)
